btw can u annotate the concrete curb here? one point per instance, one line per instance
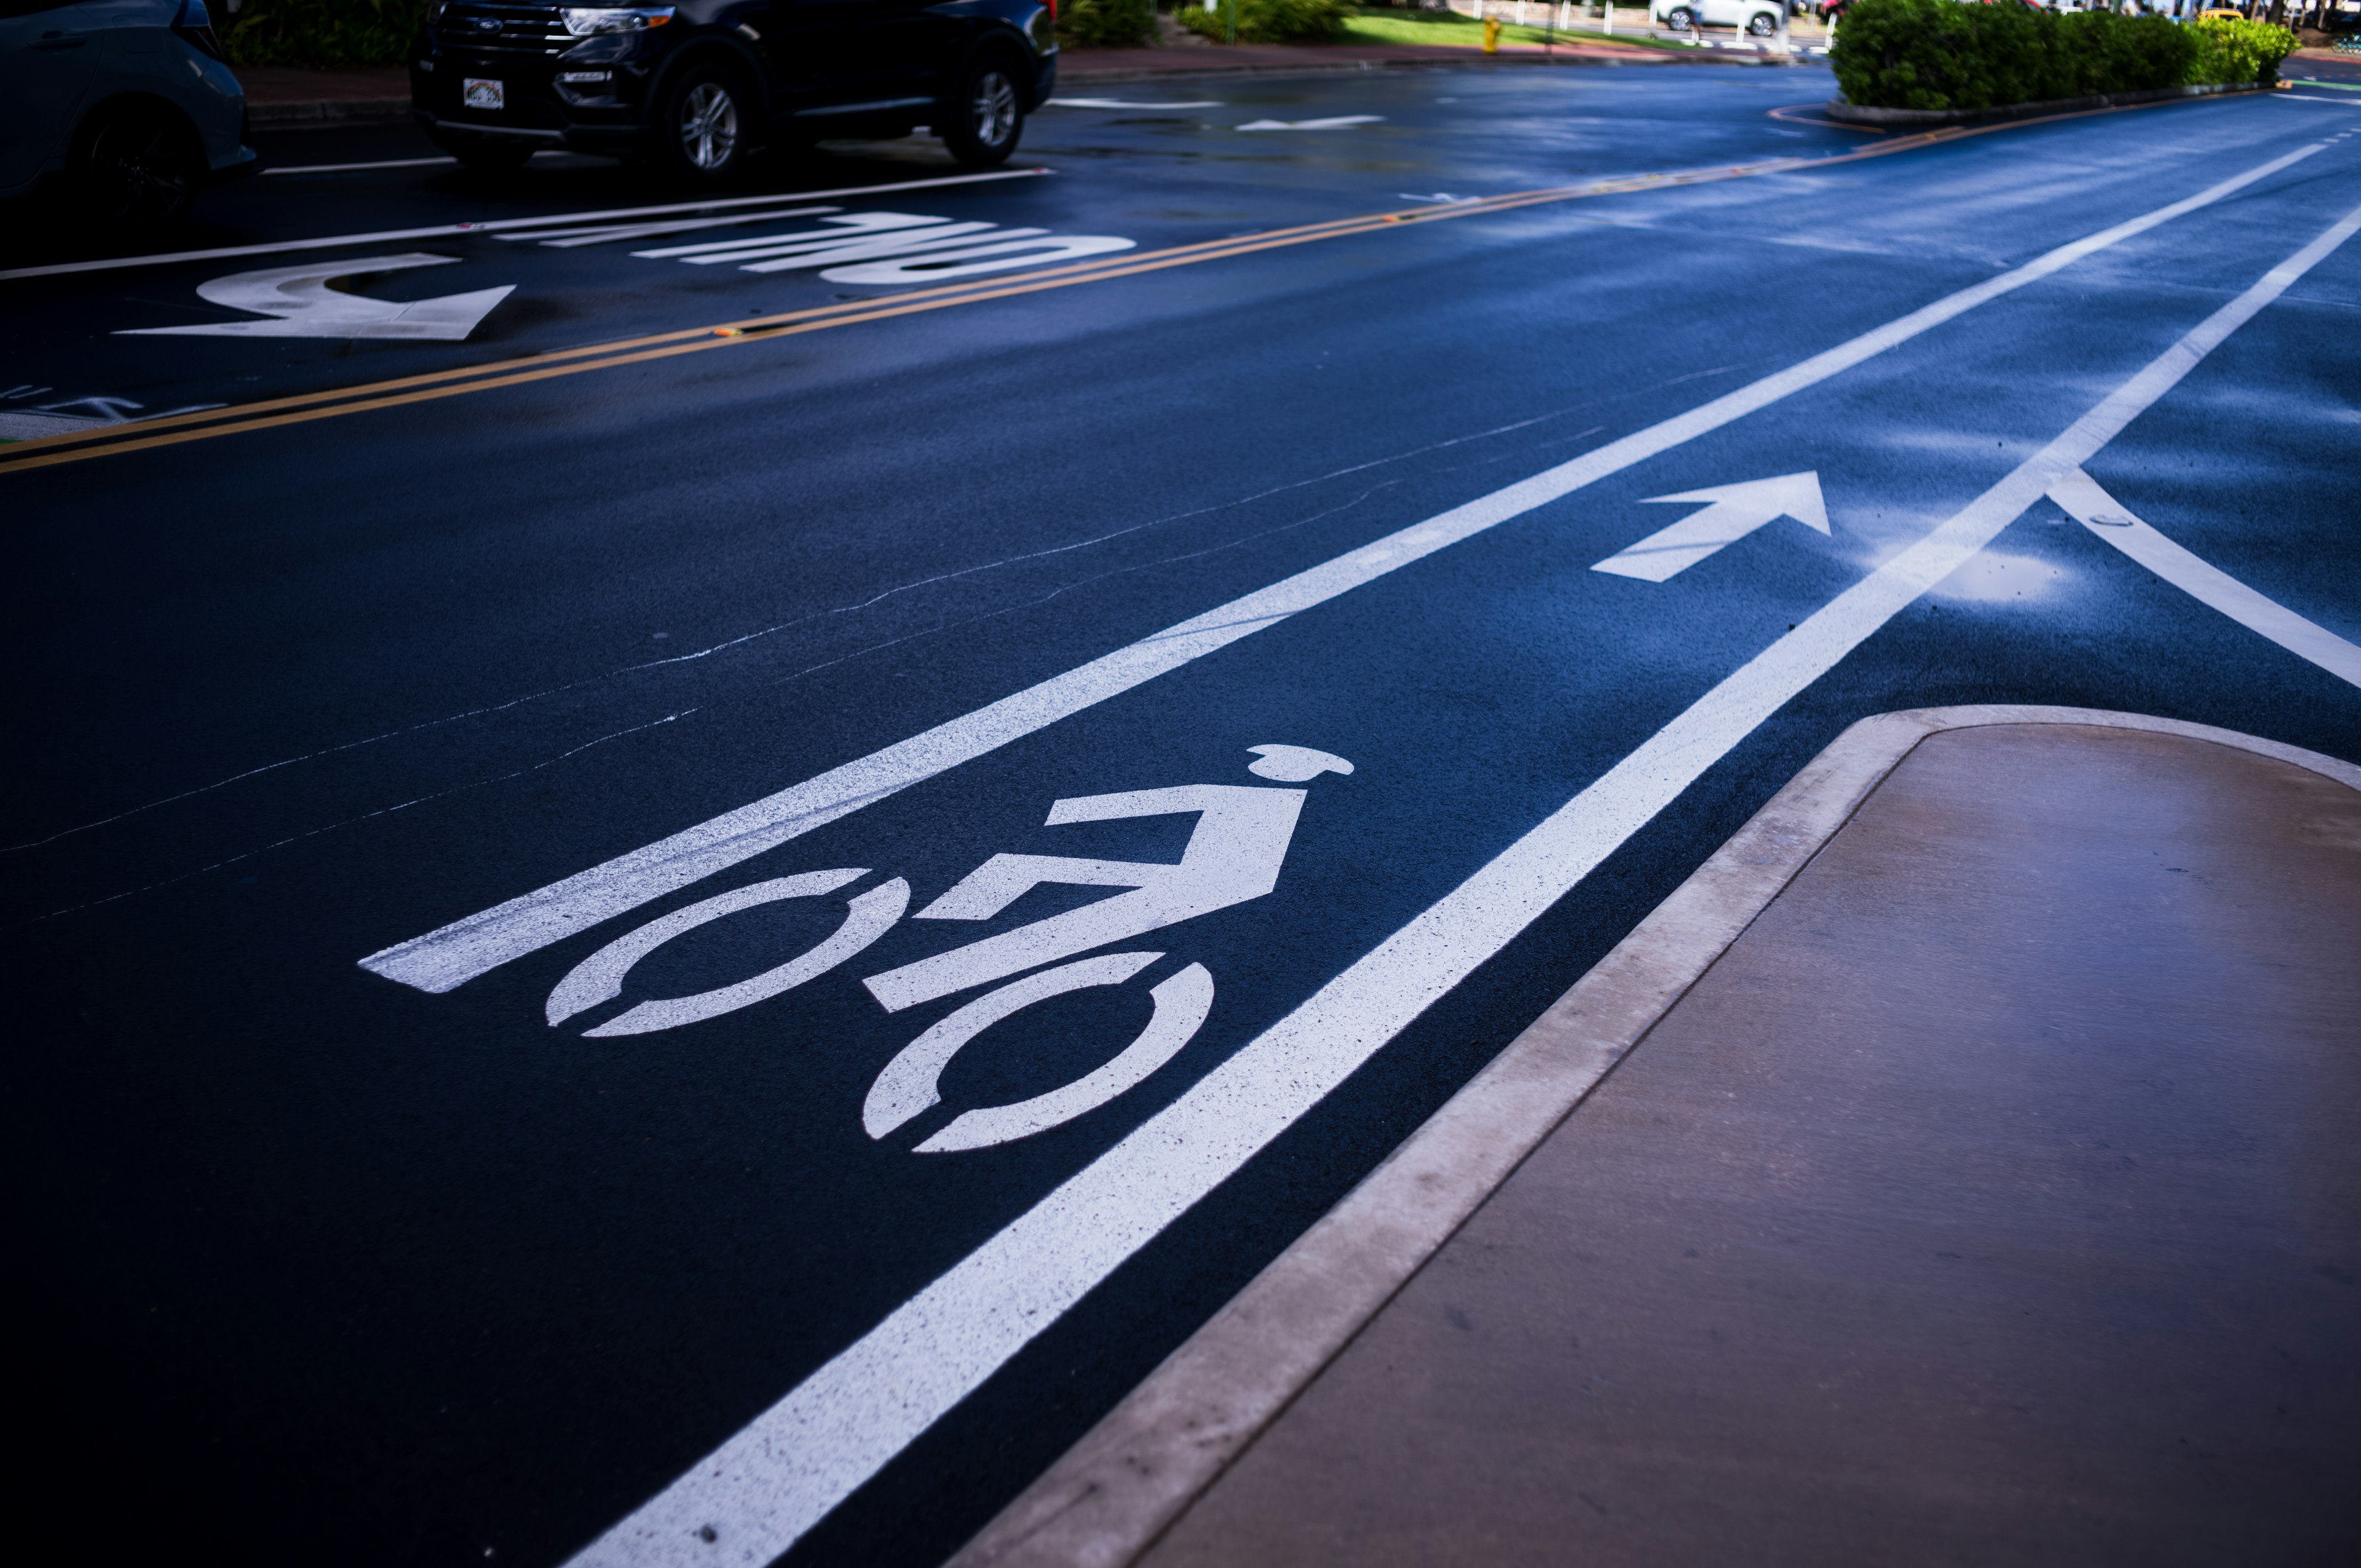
(1117, 1490)
(1896, 119)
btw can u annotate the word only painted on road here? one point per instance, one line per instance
(892, 247)
(1233, 855)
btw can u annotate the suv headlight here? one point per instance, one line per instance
(583, 21)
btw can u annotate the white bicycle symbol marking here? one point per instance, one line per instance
(1233, 855)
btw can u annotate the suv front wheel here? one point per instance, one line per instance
(986, 114)
(704, 130)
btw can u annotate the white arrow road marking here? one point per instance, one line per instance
(772, 1482)
(1333, 122)
(298, 303)
(451, 955)
(2113, 522)
(1737, 512)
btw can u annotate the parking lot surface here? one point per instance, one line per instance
(559, 724)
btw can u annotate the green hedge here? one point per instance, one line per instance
(1109, 24)
(317, 33)
(2236, 50)
(1273, 21)
(1940, 54)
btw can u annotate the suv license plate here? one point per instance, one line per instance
(482, 92)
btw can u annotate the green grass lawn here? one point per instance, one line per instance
(1449, 29)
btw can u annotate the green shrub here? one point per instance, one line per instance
(1273, 21)
(2231, 49)
(1940, 54)
(1106, 23)
(316, 33)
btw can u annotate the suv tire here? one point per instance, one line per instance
(135, 168)
(986, 113)
(705, 126)
(1680, 18)
(1762, 25)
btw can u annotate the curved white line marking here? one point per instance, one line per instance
(908, 1083)
(2113, 522)
(600, 977)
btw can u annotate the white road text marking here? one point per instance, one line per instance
(502, 225)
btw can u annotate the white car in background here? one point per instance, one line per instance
(1760, 18)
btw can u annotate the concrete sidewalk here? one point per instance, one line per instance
(1979, 1180)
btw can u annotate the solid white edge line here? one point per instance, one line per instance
(451, 955)
(354, 168)
(759, 1492)
(2112, 521)
(1107, 1499)
(497, 225)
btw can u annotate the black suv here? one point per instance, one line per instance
(698, 85)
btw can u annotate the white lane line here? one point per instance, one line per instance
(1332, 123)
(499, 225)
(763, 1489)
(2115, 523)
(350, 167)
(457, 952)
(1130, 103)
(605, 234)
(2310, 98)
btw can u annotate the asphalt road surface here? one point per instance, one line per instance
(1350, 588)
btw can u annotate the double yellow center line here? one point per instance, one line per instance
(140, 435)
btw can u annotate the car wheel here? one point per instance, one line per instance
(1762, 25)
(985, 115)
(136, 167)
(492, 155)
(1680, 18)
(705, 131)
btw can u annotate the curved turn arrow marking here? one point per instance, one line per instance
(297, 301)
(1737, 512)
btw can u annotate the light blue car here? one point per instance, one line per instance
(128, 102)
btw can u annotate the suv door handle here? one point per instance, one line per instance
(55, 40)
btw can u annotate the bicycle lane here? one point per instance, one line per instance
(1385, 681)
(739, 1300)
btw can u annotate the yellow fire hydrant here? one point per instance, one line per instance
(1491, 34)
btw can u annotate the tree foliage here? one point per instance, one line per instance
(1105, 23)
(321, 33)
(1273, 21)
